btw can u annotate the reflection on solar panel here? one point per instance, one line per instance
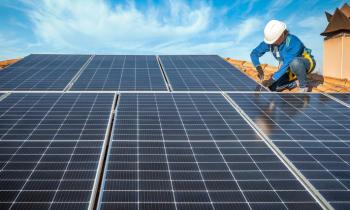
(205, 73)
(192, 151)
(121, 73)
(345, 97)
(313, 132)
(41, 72)
(50, 145)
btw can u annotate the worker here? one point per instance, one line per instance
(295, 60)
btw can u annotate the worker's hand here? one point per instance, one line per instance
(268, 83)
(260, 73)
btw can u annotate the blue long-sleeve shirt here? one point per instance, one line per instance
(291, 48)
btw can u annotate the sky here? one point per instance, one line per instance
(223, 27)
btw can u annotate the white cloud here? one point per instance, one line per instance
(174, 27)
(277, 6)
(93, 25)
(248, 27)
(315, 23)
(8, 47)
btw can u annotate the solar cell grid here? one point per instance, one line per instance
(50, 145)
(41, 72)
(345, 97)
(313, 131)
(28, 61)
(192, 151)
(205, 73)
(121, 73)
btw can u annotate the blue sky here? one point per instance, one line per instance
(228, 28)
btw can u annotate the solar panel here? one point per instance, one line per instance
(205, 73)
(345, 97)
(50, 146)
(41, 72)
(122, 73)
(313, 131)
(192, 151)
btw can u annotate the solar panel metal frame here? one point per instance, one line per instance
(102, 149)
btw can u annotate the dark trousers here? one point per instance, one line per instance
(283, 81)
(299, 66)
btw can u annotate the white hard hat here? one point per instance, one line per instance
(273, 30)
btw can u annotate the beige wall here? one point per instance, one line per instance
(346, 64)
(336, 57)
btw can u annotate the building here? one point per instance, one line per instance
(336, 51)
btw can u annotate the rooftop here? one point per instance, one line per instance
(5, 63)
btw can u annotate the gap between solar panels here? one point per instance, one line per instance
(102, 161)
(3, 96)
(165, 76)
(279, 153)
(74, 79)
(103, 174)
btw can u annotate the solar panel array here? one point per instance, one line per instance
(313, 131)
(193, 151)
(64, 145)
(50, 146)
(121, 73)
(205, 73)
(41, 72)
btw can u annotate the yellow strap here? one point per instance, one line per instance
(308, 57)
(291, 75)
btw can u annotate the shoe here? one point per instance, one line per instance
(288, 86)
(304, 90)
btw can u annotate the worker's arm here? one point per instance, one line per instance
(259, 51)
(295, 49)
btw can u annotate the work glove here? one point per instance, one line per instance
(260, 73)
(268, 83)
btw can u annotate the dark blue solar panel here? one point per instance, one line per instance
(205, 73)
(121, 73)
(313, 131)
(50, 146)
(345, 97)
(41, 72)
(192, 151)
